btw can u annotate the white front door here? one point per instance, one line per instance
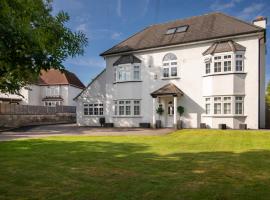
(169, 112)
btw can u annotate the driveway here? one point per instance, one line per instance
(73, 129)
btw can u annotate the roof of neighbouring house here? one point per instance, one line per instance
(168, 89)
(56, 77)
(224, 46)
(127, 59)
(199, 28)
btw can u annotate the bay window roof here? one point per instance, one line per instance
(224, 46)
(127, 59)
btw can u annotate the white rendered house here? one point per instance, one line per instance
(51, 89)
(212, 65)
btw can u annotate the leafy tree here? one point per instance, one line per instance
(268, 94)
(32, 39)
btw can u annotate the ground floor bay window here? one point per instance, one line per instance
(224, 105)
(127, 108)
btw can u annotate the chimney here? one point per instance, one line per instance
(260, 21)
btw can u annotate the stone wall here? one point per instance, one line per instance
(17, 120)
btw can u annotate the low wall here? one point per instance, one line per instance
(17, 120)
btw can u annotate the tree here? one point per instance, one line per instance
(32, 39)
(268, 94)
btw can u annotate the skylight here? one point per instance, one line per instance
(171, 31)
(181, 29)
(178, 29)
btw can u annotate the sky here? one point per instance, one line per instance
(108, 22)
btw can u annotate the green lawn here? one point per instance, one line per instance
(188, 164)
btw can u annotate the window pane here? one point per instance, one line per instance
(90, 111)
(137, 110)
(85, 111)
(101, 111)
(181, 29)
(239, 108)
(121, 110)
(227, 108)
(171, 30)
(207, 108)
(95, 111)
(217, 67)
(207, 68)
(174, 71)
(165, 72)
(128, 111)
(227, 66)
(217, 108)
(239, 65)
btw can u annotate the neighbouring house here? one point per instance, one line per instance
(212, 65)
(52, 88)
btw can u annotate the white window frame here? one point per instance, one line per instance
(52, 91)
(170, 65)
(238, 101)
(94, 109)
(232, 100)
(128, 107)
(126, 72)
(228, 63)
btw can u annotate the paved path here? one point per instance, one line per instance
(72, 129)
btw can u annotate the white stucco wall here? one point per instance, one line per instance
(94, 93)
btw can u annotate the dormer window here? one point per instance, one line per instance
(171, 31)
(170, 66)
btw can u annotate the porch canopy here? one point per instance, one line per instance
(168, 89)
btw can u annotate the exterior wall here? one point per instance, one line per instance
(95, 92)
(72, 93)
(262, 85)
(191, 81)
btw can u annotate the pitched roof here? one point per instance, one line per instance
(127, 59)
(204, 27)
(168, 89)
(224, 46)
(56, 77)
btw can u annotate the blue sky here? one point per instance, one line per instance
(108, 22)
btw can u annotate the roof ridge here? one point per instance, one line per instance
(171, 21)
(242, 21)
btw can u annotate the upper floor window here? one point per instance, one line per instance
(52, 91)
(225, 63)
(170, 66)
(129, 72)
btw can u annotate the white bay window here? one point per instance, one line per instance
(93, 109)
(129, 72)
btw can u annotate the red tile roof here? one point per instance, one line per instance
(56, 77)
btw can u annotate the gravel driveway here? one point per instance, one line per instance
(72, 129)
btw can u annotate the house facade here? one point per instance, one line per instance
(52, 88)
(212, 65)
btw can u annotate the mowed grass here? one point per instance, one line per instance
(188, 164)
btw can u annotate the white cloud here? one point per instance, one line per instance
(250, 12)
(145, 7)
(116, 35)
(82, 27)
(217, 5)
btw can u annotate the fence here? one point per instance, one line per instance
(13, 109)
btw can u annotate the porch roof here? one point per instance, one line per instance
(168, 89)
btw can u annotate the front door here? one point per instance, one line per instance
(169, 111)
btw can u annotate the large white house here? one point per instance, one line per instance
(212, 65)
(52, 88)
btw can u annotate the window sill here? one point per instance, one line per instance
(223, 116)
(169, 78)
(127, 116)
(223, 73)
(127, 81)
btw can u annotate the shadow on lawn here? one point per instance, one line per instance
(40, 169)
